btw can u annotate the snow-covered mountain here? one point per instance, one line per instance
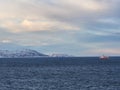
(20, 53)
(60, 55)
(11, 50)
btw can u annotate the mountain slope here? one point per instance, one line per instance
(11, 50)
(20, 53)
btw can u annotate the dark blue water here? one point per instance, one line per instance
(60, 74)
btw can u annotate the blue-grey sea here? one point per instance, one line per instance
(73, 73)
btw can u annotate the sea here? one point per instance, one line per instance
(60, 73)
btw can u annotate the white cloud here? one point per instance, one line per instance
(6, 41)
(37, 15)
(91, 5)
(106, 51)
(28, 25)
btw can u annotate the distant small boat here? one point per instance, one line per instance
(103, 57)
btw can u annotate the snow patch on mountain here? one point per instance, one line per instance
(60, 55)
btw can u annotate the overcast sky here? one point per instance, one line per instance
(75, 27)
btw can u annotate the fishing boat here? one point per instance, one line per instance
(103, 57)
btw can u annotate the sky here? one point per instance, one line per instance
(74, 27)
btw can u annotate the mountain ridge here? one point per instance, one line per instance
(23, 53)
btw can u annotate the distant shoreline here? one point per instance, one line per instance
(57, 57)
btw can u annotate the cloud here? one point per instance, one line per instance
(29, 25)
(82, 24)
(49, 17)
(89, 5)
(6, 41)
(105, 51)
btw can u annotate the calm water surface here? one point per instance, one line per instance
(60, 74)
